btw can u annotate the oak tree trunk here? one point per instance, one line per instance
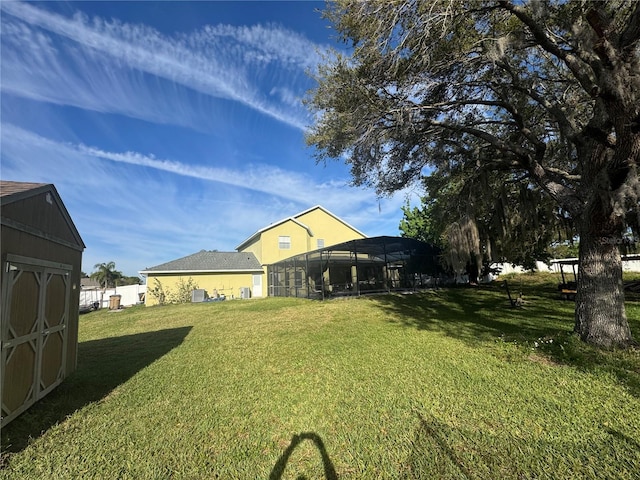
(600, 317)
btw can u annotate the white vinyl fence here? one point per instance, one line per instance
(630, 263)
(129, 295)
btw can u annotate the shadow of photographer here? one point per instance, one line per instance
(296, 440)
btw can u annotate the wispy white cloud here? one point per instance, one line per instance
(132, 205)
(101, 65)
(264, 43)
(141, 209)
(267, 179)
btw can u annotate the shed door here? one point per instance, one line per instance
(34, 335)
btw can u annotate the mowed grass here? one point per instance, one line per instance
(451, 383)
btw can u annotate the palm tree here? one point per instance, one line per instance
(106, 274)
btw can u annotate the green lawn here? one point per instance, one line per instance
(452, 383)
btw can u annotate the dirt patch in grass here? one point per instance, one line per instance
(543, 360)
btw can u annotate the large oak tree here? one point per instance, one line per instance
(546, 93)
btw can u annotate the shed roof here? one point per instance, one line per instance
(294, 218)
(210, 261)
(13, 192)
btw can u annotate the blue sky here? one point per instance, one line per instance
(171, 127)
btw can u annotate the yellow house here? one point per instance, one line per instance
(243, 273)
(219, 274)
(306, 231)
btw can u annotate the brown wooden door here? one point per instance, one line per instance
(54, 329)
(35, 314)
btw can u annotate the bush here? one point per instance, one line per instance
(181, 295)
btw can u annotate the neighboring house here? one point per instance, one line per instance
(304, 232)
(218, 273)
(87, 283)
(233, 273)
(41, 253)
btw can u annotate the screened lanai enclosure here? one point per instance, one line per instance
(357, 267)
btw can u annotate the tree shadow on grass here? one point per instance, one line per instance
(484, 316)
(432, 452)
(468, 451)
(102, 366)
(475, 316)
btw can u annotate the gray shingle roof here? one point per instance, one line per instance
(210, 261)
(8, 188)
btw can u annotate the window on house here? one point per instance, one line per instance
(284, 242)
(320, 243)
(298, 279)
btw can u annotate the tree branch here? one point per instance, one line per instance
(570, 60)
(567, 127)
(563, 195)
(631, 35)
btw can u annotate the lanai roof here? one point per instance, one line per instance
(391, 248)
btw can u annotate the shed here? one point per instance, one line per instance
(41, 254)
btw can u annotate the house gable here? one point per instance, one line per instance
(310, 215)
(328, 226)
(305, 229)
(274, 250)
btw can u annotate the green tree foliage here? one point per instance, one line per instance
(106, 274)
(421, 223)
(564, 249)
(539, 99)
(108, 277)
(125, 280)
